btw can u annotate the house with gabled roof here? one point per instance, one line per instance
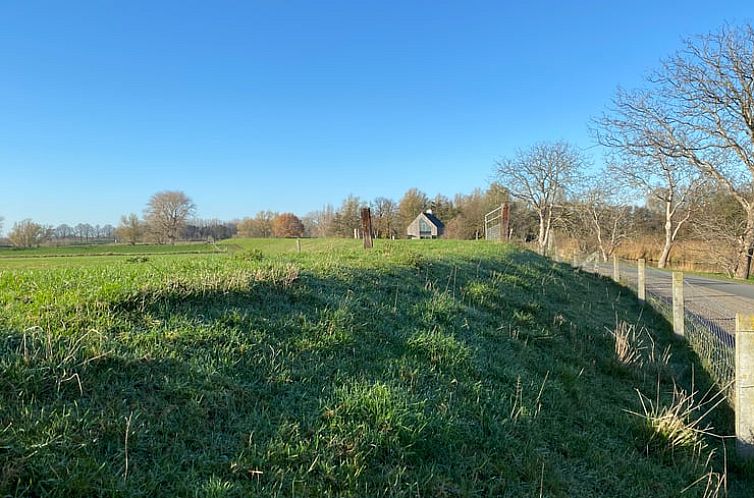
(425, 226)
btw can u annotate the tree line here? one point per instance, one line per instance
(679, 163)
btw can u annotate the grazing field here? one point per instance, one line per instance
(420, 368)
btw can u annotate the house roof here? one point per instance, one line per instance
(434, 220)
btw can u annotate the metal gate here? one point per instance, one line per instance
(496, 223)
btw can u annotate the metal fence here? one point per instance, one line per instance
(709, 316)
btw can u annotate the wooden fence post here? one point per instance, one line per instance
(298, 244)
(745, 385)
(678, 305)
(616, 268)
(641, 285)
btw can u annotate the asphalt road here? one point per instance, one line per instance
(711, 299)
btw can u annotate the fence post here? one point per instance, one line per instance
(616, 268)
(641, 283)
(744, 400)
(366, 227)
(678, 305)
(298, 244)
(575, 260)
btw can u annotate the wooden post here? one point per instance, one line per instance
(616, 268)
(745, 386)
(575, 260)
(641, 284)
(678, 305)
(366, 227)
(298, 244)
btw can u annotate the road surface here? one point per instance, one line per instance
(711, 299)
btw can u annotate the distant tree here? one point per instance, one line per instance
(468, 222)
(26, 233)
(131, 229)
(246, 228)
(1, 224)
(287, 225)
(347, 217)
(541, 177)
(385, 218)
(602, 219)
(209, 230)
(63, 232)
(443, 208)
(166, 214)
(107, 232)
(413, 203)
(260, 226)
(319, 223)
(84, 231)
(721, 223)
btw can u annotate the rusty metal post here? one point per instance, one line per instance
(505, 222)
(366, 227)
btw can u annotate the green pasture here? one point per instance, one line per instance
(419, 368)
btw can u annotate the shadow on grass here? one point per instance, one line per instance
(450, 377)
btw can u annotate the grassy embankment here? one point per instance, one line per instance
(417, 369)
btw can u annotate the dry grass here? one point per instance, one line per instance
(686, 255)
(689, 255)
(628, 344)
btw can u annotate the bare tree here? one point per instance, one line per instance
(700, 110)
(540, 177)
(601, 219)
(26, 233)
(130, 229)
(260, 226)
(166, 214)
(721, 223)
(321, 221)
(63, 232)
(664, 180)
(385, 213)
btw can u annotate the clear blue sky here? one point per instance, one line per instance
(288, 105)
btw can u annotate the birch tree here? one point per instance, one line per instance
(698, 109)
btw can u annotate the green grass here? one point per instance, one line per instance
(101, 250)
(429, 368)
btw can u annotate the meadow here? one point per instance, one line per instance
(419, 368)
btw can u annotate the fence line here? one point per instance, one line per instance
(711, 334)
(710, 330)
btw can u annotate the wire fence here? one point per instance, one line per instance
(709, 315)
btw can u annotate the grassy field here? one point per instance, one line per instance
(424, 368)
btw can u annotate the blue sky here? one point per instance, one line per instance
(288, 105)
